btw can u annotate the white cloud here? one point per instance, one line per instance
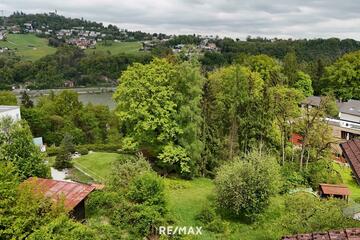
(235, 18)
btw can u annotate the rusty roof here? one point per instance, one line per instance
(296, 139)
(351, 150)
(72, 193)
(344, 234)
(332, 189)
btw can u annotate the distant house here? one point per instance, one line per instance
(351, 152)
(333, 190)
(73, 194)
(343, 234)
(12, 112)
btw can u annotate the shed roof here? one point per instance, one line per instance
(72, 193)
(332, 189)
(343, 234)
(351, 150)
(5, 108)
(350, 107)
(312, 101)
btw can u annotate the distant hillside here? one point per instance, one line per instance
(27, 46)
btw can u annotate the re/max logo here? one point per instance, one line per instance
(184, 230)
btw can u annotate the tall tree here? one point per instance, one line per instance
(285, 105)
(291, 67)
(159, 106)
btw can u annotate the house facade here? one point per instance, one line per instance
(12, 112)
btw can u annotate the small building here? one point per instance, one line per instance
(12, 112)
(73, 194)
(333, 190)
(296, 139)
(343, 234)
(351, 152)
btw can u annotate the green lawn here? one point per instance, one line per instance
(117, 47)
(98, 164)
(28, 46)
(346, 175)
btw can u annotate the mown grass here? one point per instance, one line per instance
(98, 164)
(28, 46)
(117, 47)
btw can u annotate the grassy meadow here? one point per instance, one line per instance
(116, 48)
(28, 46)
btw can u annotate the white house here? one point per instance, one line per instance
(10, 111)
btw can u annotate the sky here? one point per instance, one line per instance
(232, 18)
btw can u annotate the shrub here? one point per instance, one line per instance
(52, 150)
(148, 189)
(103, 147)
(244, 186)
(206, 215)
(62, 160)
(125, 170)
(82, 150)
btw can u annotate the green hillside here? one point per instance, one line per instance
(28, 46)
(117, 47)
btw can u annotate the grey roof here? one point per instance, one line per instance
(4, 108)
(350, 107)
(312, 100)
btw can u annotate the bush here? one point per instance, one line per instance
(206, 215)
(244, 186)
(148, 189)
(102, 147)
(62, 160)
(52, 150)
(82, 150)
(125, 170)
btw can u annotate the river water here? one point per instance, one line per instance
(94, 98)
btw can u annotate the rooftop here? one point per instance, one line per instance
(351, 150)
(344, 234)
(332, 189)
(350, 107)
(4, 108)
(72, 193)
(312, 101)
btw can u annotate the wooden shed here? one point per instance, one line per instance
(332, 190)
(73, 194)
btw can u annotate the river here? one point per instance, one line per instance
(94, 96)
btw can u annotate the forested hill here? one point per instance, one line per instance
(306, 50)
(51, 21)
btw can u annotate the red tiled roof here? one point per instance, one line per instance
(72, 193)
(296, 139)
(345, 234)
(332, 189)
(351, 150)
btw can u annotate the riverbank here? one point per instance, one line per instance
(85, 90)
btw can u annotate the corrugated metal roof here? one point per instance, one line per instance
(351, 150)
(345, 234)
(332, 189)
(72, 193)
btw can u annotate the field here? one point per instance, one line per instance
(117, 47)
(186, 198)
(28, 46)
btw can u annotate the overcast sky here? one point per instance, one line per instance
(234, 18)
